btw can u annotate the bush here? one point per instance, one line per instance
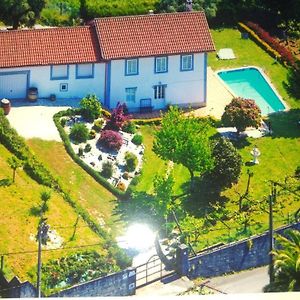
(98, 124)
(131, 161)
(107, 169)
(92, 134)
(111, 140)
(87, 148)
(79, 133)
(90, 108)
(129, 127)
(228, 163)
(126, 175)
(297, 172)
(80, 152)
(63, 122)
(241, 113)
(117, 119)
(137, 139)
(121, 186)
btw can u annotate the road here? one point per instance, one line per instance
(252, 281)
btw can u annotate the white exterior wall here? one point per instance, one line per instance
(183, 87)
(40, 77)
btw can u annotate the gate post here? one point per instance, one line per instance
(182, 260)
(131, 281)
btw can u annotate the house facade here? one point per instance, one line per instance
(148, 61)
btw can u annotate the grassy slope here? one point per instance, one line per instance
(91, 195)
(17, 224)
(248, 53)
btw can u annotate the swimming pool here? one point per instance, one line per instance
(250, 83)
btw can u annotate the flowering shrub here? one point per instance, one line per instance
(284, 53)
(98, 124)
(111, 139)
(117, 119)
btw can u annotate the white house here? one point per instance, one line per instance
(147, 61)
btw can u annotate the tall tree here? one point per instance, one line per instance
(17, 12)
(83, 10)
(184, 140)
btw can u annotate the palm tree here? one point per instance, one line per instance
(287, 263)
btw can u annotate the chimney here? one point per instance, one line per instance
(189, 5)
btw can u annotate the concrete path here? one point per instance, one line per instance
(167, 287)
(35, 121)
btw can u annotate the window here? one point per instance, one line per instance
(161, 64)
(131, 67)
(159, 91)
(85, 71)
(63, 87)
(187, 62)
(130, 94)
(59, 72)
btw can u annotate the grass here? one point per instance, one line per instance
(249, 54)
(18, 223)
(93, 197)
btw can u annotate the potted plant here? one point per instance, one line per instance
(32, 94)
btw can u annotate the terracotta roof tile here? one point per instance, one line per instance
(48, 46)
(149, 35)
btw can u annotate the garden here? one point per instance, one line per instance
(109, 145)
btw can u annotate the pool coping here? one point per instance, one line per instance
(266, 78)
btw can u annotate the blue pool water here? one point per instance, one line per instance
(249, 83)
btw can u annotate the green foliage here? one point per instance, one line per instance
(287, 263)
(92, 134)
(242, 113)
(80, 152)
(98, 124)
(18, 12)
(79, 133)
(131, 161)
(107, 169)
(184, 140)
(14, 163)
(129, 127)
(87, 148)
(228, 164)
(90, 107)
(137, 139)
(76, 268)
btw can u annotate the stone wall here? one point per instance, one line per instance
(117, 284)
(238, 256)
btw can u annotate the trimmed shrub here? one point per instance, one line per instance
(121, 186)
(98, 124)
(80, 152)
(129, 127)
(131, 161)
(87, 148)
(79, 133)
(63, 122)
(92, 134)
(241, 113)
(111, 140)
(107, 169)
(90, 107)
(137, 139)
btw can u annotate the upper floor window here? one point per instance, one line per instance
(187, 62)
(161, 64)
(131, 67)
(85, 71)
(160, 91)
(59, 72)
(130, 94)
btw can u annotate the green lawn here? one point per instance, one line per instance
(249, 54)
(18, 223)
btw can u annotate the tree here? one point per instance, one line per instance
(241, 113)
(228, 163)
(17, 12)
(15, 163)
(117, 118)
(90, 107)
(83, 10)
(287, 263)
(184, 140)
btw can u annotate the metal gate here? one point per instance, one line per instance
(153, 270)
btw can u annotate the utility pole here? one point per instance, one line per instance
(272, 199)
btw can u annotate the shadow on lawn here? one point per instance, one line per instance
(292, 85)
(286, 124)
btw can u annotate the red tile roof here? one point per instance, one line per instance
(48, 46)
(149, 35)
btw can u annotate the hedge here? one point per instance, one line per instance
(36, 170)
(100, 179)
